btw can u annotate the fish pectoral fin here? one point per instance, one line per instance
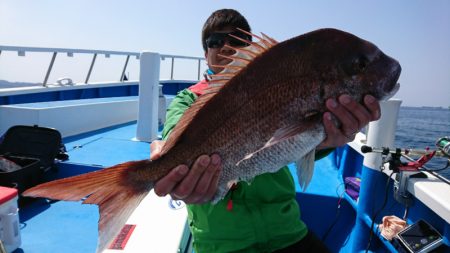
(309, 122)
(305, 169)
(279, 136)
(285, 133)
(282, 135)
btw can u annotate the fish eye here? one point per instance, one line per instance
(360, 64)
(355, 65)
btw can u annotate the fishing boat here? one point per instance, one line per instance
(106, 123)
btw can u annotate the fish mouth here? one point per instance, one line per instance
(391, 85)
(392, 92)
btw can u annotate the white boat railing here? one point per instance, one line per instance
(21, 51)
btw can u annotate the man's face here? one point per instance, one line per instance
(212, 53)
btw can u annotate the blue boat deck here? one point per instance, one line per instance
(107, 147)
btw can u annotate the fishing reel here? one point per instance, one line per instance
(412, 168)
(443, 144)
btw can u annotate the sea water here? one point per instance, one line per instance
(420, 128)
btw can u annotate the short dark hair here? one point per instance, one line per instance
(221, 19)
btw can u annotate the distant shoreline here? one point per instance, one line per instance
(7, 84)
(426, 107)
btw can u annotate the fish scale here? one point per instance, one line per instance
(262, 117)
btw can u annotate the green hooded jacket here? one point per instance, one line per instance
(261, 216)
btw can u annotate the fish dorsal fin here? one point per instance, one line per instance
(240, 60)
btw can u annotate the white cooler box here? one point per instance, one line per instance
(9, 219)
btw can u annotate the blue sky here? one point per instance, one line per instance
(417, 33)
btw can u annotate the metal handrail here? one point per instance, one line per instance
(69, 51)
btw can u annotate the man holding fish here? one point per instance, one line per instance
(262, 216)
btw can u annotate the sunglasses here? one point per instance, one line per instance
(217, 40)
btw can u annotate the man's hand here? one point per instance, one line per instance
(352, 115)
(194, 186)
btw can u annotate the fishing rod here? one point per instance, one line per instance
(443, 150)
(405, 151)
(442, 145)
(404, 170)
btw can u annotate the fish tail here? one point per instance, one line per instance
(112, 189)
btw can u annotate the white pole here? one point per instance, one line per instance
(147, 125)
(381, 133)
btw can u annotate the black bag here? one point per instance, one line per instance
(31, 152)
